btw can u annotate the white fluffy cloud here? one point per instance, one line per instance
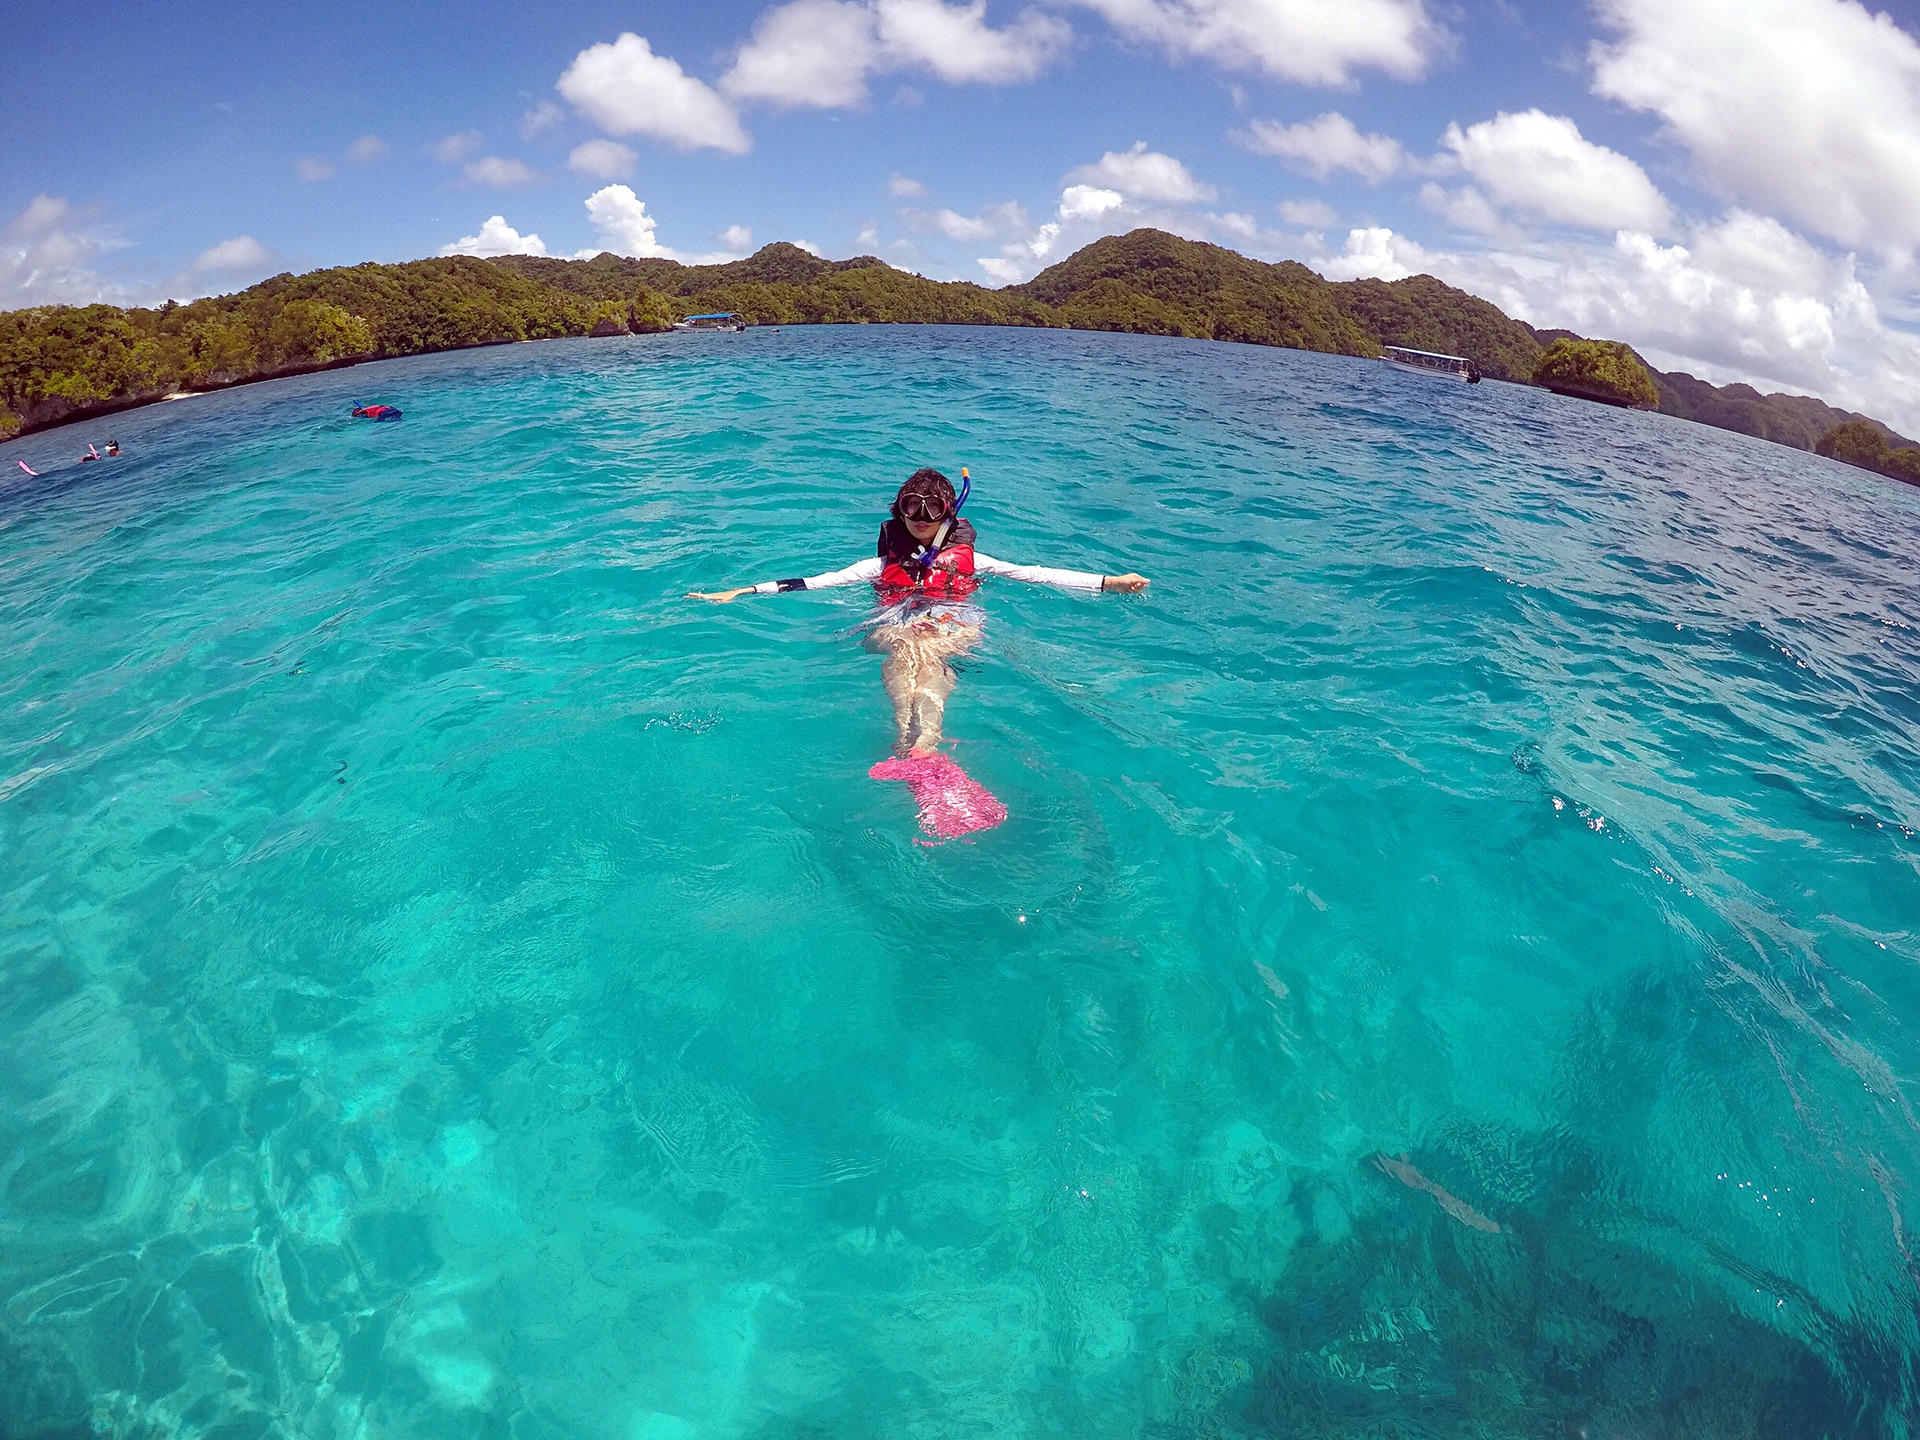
(1469, 209)
(1803, 108)
(1145, 174)
(500, 173)
(1085, 212)
(1325, 144)
(310, 169)
(1376, 253)
(902, 186)
(621, 220)
(809, 52)
(1747, 297)
(46, 257)
(1088, 202)
(956, 43)
(623, 225)
(242, 253)
(1757, 252)
(496, 237)
(1311, 42)
(626, 89)
(367, 149)
(821, 53)
(1542, 166)
(602, 160)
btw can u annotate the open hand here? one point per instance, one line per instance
(720, 597)
(1128, 584)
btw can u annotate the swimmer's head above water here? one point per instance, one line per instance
(926, 502)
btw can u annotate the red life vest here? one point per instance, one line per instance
(950, 577)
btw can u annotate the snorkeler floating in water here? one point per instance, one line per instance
(925, 573)
(375, 412)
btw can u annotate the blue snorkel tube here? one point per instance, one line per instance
(927, 556)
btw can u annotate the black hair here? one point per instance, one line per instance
(930, 483)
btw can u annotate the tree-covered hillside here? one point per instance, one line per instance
(782, 284)
(1150, 282)
(61, 362)
(1796, 420)
(1864, 443)
(609, 274)
(1153, 282)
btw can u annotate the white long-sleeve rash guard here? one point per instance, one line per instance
(870, 568)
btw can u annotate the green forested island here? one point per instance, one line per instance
(59, 363)
(1863, 443)
(1603, 370)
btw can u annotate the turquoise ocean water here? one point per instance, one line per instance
(1450, 968)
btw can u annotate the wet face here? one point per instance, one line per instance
(922, 530)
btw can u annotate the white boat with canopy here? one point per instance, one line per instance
(1426, 362)
(715, 320)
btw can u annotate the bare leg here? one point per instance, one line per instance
(899, 672)
(930, 703)
(935, 681)
(918, 678)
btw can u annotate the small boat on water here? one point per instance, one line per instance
(719, 320)
(1425, 362)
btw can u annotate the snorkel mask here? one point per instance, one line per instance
(927, 485)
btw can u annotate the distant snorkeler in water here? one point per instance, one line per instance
(925, 574)
(113, 447)
(375, 412)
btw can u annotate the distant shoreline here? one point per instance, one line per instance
(63, 365)
(121, 406)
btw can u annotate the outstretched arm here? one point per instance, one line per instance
(1061, 579)
(868, 569)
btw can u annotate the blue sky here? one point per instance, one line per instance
(1732, 185)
